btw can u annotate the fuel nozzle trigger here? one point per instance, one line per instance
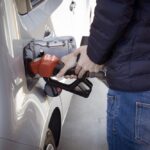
(81, 87)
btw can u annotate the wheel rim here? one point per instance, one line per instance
(50, 147)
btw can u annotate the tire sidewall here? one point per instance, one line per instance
(49, 140)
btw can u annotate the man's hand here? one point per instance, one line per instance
(85, 64)
(69, 61)
(82, 66)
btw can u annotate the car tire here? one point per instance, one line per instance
(49, 141)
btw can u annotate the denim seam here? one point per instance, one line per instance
(115, 123)
(137, 121)
(111, 113)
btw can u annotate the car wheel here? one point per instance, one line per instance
(49, 141)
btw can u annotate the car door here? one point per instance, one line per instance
(74, 19)
(82, 16)
(80, 19)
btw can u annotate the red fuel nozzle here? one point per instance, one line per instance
(44, 66)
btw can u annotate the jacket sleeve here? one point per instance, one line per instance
(111, 19)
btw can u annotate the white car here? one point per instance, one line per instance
(29, 120)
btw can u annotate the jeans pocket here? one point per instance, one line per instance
(142, 123)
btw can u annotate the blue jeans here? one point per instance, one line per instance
(128, 120)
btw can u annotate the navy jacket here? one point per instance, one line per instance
(120, 38)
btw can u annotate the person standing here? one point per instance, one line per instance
(120, 40)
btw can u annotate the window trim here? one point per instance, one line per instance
(25, 6)
(36, 3)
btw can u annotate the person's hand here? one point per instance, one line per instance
(69, 61)
(82, 66)
(85, 64)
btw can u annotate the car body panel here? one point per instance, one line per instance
(6, 144)
(74, 22)
(25, 115)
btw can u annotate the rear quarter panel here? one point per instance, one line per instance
(24, 115)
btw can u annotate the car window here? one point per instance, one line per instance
(35, 2)
(25, 6)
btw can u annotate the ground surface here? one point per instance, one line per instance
(85, 125)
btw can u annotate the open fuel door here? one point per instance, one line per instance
(42, 59)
